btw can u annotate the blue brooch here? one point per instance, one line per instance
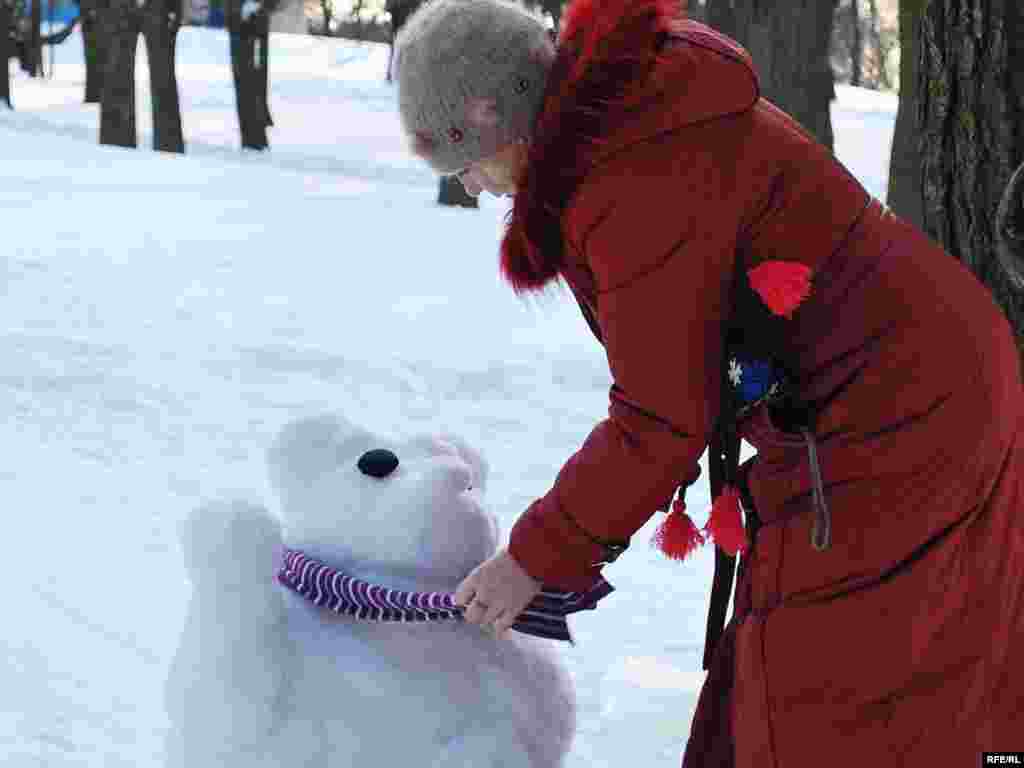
(754, 381)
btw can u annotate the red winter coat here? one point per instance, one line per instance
(656, 170)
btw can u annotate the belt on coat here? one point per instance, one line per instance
(724, 466)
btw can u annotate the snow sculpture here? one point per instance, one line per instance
(264, 678)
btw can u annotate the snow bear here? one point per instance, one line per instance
(264, 678)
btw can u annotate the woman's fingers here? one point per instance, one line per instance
(495, 593)
(467, 589)
(482, 612)
(476, 611)
(491, 614)
(503, 623)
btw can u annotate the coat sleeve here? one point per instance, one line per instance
(662, 292)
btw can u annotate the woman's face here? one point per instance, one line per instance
(496, 174)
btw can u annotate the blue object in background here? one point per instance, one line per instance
(63, 11)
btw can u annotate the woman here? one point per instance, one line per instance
(744, 283)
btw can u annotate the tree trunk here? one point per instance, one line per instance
(697, 11)
(327, 10)
(971, 90)
(34, 42)
(160, 24)
(453, 193)
(264, 73)
(554, 9)
(400, 10)
(96, 44)
(880, 45)
(249, 34)
(117, 110)
(391, 56)
(789, 41)
(856, 45)
(721, 14)
(1009, 230)
(904, 194)
(6, 50)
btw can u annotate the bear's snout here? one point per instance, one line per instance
(452, 475)
(441, 447)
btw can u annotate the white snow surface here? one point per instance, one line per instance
(163, 317)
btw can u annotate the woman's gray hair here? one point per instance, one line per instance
(471, 76)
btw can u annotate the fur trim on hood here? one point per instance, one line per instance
(612, 63)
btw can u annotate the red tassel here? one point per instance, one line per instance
(782, 285)
(725, 525)
(678, 536)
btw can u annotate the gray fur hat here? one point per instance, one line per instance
(471, 77)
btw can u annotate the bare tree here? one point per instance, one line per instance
(789, 41)
(882, 41)
(248, 25)
(971, 90)
(552, 8)
(6, 49)
(34, 41)
(160, 25)
(856, 45)
(123, 23)
(327, 9)
(125, 20)
(697, 10)
(96, 44)
(399, 10)
(904, 196)
(17, 39)
(1009, 228)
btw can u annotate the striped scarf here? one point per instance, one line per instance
(329, 588)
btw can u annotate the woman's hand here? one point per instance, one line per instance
(496, 592)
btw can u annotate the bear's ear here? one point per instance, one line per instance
(233, 539)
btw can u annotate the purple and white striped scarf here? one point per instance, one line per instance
(329, 588)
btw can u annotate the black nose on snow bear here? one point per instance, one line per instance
(379, 462)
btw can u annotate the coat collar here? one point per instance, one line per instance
(625, 72)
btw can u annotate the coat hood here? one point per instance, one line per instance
(625, 72)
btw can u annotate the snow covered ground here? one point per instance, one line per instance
(164, 316)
